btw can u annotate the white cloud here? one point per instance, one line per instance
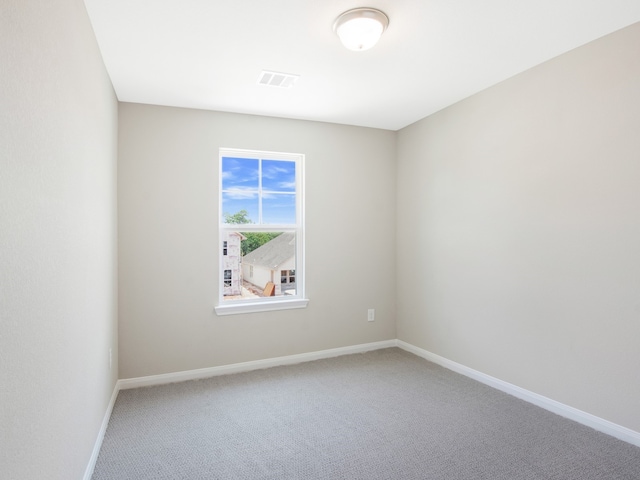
(273, 172)
(241, 193)
(287, 185)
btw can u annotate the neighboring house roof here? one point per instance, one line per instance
(273, 253)
(242, 237)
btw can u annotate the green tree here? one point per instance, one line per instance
(237, 218)
(255, 240)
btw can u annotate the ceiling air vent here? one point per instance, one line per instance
(277, 79)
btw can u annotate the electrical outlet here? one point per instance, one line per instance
(110, 359)
(371, 315)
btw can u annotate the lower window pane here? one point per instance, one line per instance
(264, 266)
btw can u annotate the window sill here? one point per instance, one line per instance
(261, 306)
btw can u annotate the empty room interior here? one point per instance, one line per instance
(464, 203)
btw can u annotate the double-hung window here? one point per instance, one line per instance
(261, 225)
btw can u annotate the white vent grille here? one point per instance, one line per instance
(277, 79)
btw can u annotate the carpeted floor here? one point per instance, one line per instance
(385, 414)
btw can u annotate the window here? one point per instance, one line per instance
(261, 231)
(288, 276)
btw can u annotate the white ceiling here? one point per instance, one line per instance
(208, 54)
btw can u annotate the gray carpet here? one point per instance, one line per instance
(385, 414)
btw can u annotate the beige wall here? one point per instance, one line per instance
(168, 239)
(58, 134)
(519, 230)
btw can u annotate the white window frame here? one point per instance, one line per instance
(263, 304)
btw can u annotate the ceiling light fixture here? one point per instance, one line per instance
(360, 29)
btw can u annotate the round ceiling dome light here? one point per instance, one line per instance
(360, 29)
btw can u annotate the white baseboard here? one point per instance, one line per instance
(597, 423)
(88, 473)
(248, 366)
(610, 428)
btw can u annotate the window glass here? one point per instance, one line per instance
(279, 208)
(278, 176)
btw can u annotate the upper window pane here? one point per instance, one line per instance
(240, 174)
(240, 208)
(278, 176)
(258, 191)
(279, 209)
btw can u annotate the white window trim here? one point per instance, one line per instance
(266, 304)
(262, 306)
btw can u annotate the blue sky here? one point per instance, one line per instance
(241, 189)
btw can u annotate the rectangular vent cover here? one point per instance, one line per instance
(277, 79)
